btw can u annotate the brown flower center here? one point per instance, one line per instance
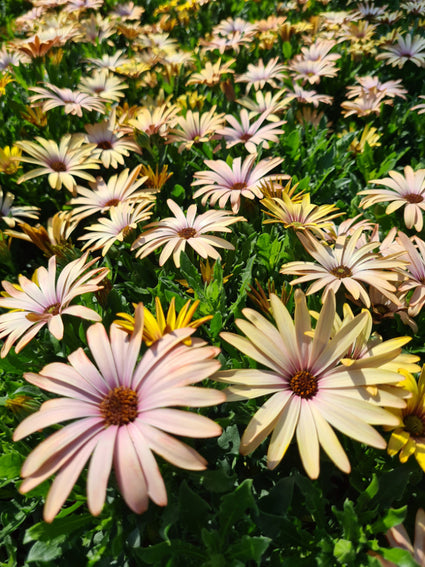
(57, 165)
(414, 198)
(245, 137)
(414, 425)
(239, 186)
(112, 203)
(187, 232)
(105, 145)
(304, 384)
(119, 406)
(341, 272)
(53, 309)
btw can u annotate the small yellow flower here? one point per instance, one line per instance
(369, 136)
(21, 405)
(35, 116)
(409, 438)
(9, 159)
(5, 80)
(155, 179)
(157, 327)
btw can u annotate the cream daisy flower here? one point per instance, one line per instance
(175, 232)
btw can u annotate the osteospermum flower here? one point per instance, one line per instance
(73, 101)
(122, 413)
(259, 75)
(104, 85)
(414, 273)
(43, 301)
(346, 265)
(299, 214)
(224, 182)
(409, 437)
(175, 232)
(71, 158)
(159, 325)
(408, 48)
(124, 218)
(407, 191)
(311, 392)
(10, 158)
(11, 214)
(195, 128)
(251, 135)
(102, 196)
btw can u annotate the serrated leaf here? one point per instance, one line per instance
(234, 506)
(10, 465)
(60, 527)
(193, 510)
(393, 517)
(344, 551)
(249, 548)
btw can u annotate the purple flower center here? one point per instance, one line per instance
(119, 406)
(304, 384)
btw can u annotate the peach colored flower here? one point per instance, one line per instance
(43, 301)
(407, 191)
(346, 265)
(224, 182)
(175, 232)
(311, 392)
(122, 413)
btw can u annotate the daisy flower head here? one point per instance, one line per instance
(409, 436)
(346, 265)
(251, 135)
(211, 74)
(61, 163)
(104, 85)
(310, 391)
(10, 157)
(177, 231)
(407, 48)
(299, 214)
(159, 325)
(73, 101)
(45, 299)
(414, 272)
(259, 75)
(224, 182)
(112, 146)
(195, 128)
(265, 102)
(406, 191)
(12, 214)
(122, 412)
(123, 219)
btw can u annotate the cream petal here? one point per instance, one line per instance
(129, 473)
(330, 442)
(180, 422)
(307, 440)
(100, 469)
(283, 432)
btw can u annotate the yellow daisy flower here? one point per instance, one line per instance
(157, 327)
(409, 438)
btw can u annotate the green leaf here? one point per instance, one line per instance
(349, 521)
(234, 506)
(393, 517)
(230, 440)
(344, 551)
(43, 552)
(400, 557)
(249, 548)
(10, 465)
(60, 527)
(193, 509)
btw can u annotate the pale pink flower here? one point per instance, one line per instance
(414, 272)
(367, 103)
(72, 101)
(175, 232)
(44, 300)
(195, 128)
(259, 75)
(102, 196)
(251, 135)
(408, 48)
(407, 191)
(372, 86)
(122, 413)
(312, 71)
(419, 107)
(304, 96)
(265, 102)
(12, 214)
(224, 182)
(104, 85)
(124, 218)
(346, 265)
(310, 390)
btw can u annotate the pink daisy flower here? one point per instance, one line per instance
(43, 301)
(121, 414)
(224, 182)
